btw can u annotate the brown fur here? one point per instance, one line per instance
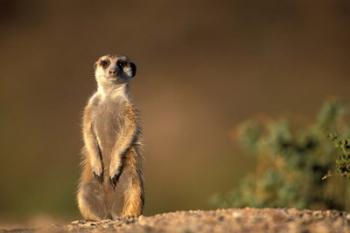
(111, 183)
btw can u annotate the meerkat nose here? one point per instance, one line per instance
(113, 71)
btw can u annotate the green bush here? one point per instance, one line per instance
(343, 160)
(297, 166)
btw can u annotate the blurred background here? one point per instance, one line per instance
(203, 67)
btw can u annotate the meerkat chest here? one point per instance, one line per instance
(107, 122)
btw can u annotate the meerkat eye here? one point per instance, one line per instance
(121, 64)
(104, 63)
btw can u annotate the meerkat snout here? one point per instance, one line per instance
(113, 71)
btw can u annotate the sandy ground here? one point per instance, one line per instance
(223, 220)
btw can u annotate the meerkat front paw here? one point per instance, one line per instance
(114, 177)
(99, 178)
(97, 170)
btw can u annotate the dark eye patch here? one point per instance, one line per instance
(121, 64)
(105, 63)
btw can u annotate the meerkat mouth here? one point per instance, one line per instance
(117, 79)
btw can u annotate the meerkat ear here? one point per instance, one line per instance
(95, 65)
(133, 69)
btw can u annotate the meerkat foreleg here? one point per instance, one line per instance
(123, 143)
(93, 150)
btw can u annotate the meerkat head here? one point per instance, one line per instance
(114, 70)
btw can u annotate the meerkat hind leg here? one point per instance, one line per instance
(128, 194)
(133, 202)
(91, 201)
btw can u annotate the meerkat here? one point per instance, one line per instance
(111, 184)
